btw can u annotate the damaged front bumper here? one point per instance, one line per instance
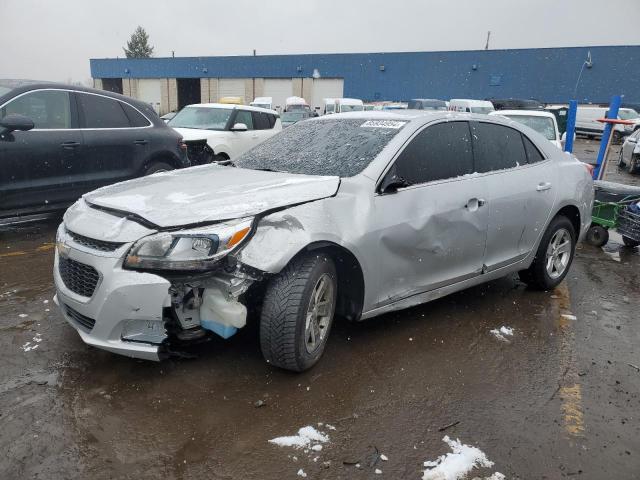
(140, 314)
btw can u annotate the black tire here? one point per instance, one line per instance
(621, 163)
(156, 167)
(629, 242)
(536, 276)
(284, 310)
(617, 138)
(597, 235)
(634, 164)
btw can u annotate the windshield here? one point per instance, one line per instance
(351, 108)
(543, 125)
(627, 114)
(323, 147)
(203, 118)
(330, 107)
(261, 105)
(293, 116)
(483, 110)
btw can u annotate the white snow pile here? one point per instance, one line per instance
(458, 463)
(568, 316)
(27, 347)
(502, 333)
(305, 437)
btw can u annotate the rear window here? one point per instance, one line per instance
(102, 112)
(497, 147)
(323, 147)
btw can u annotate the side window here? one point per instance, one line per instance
(260, 121)
(438, 152)
(102, 112)
(533, 154)
(48, 109)
(136, 119)
(497, 147)
(244, 116)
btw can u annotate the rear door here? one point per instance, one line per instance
(242, 141)
(521, 187)
(263, 126)
(433, 232)
(115, 145)
(34, 165)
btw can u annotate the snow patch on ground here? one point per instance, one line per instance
(569, 316)
(304, 438)
(27, 347)
(502, 333)
(458, 463)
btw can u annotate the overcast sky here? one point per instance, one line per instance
(53, 40)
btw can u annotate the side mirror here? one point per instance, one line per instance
(239, 127)
(392, 182)
(14, 121)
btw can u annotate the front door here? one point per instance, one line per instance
(35, 165)
(432, 232)
(242, 141)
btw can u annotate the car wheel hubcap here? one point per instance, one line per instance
(319, 313)
(558, 253)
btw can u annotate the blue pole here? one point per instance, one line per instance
(616, 101)
(571, 126)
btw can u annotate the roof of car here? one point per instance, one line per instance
(406, 115)
(232, 106)
(528, 113)
(76, 88)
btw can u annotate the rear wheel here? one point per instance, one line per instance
(634, 164)
(553, 257)
(297, 313)
(157, 167)
(617, 138)
(621, 162)
(597, 235)
(629, 242)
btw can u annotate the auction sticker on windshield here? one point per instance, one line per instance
(384, 124)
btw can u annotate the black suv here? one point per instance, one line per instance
(58, 142)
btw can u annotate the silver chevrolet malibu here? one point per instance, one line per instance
(350, 215)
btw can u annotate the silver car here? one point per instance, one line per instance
(630, 153)
(350, 215)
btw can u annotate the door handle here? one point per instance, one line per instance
(69, 145)
(474, 204)
(141, 142)
(543, 186)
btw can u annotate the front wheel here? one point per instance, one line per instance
(157, 167)
(553, 257)
(629, 242)
(297, 313)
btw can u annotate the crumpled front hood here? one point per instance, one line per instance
(210, 193)
(195, 134)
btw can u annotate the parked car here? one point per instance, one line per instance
(344, 105)
(58, 142)
(296, 103)
(516, 104)
(427, 104)
(470, 106)
(168, 116)
(544, 123)
(350, 215)
(215, 132)
(289, 118)
(587, 122)
(329, 106)
(263, 102)
(630, 153)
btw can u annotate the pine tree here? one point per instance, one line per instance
(138, 46)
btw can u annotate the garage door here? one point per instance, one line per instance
(326, 88)
(232, 87)
(149, 92)
(279, 89)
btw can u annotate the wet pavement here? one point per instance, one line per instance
(560, 397)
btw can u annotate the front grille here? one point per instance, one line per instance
(83, 321)
(199, 152)
(100, 245)
(78, 277)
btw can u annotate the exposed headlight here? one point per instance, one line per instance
(197, 249)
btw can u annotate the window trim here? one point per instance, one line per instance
(81, 113)
(75, 105)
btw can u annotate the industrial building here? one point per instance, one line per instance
(554, 75)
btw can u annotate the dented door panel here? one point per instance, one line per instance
(430, 235)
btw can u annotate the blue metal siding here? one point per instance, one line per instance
(547, 74)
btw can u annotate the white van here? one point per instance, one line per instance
(349, 105)
(328, 106)
(470, 106)
(587, 121)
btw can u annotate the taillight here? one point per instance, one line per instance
(590, 168)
